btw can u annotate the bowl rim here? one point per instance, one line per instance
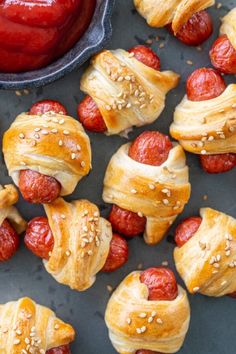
(19, 81)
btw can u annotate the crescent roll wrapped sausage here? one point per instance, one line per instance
(160, 13)
(127, 92)
(207, 127)
(81, 242)
(207, 261)
(30, 328)
(52, 144)
(134, 322)
(157, 192)
(9, 197)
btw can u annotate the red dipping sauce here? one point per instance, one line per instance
(33, 33)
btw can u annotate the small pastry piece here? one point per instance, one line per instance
(223, 51)
(124, 89)
(30, 328)
(139, 324)
(11, 222)
(75, 243)
(185, 19)
(47, 152)
(148, 183)
(204, 122)
(206, 254)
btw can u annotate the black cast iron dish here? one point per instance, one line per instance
(213, 321)
(95, 38)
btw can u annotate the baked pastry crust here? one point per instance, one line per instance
(207, 262)
(135, 323)
(52, 144)
(207, 127)
(127, 92)
(8, 197)
(160, 13)
(228, 26)
(27, 327)
(81, 242)
(157, 192)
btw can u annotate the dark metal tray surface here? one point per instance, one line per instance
(213, 321)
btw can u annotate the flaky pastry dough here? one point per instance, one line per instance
(160, 13)
(135, 323)
(26, 327)
(207, 262)
(207, 127)
(157, 192)
(81, 242)
(127, 92)
(228, 26)
(52, 144)
(9, 197)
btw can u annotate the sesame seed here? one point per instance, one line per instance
(16, 341)
(142, 315)
(150, 319)
(165, 201)
(78, 147)
(165, 263)
(143, 329)
(203, 152)
(140, 214)
(109, 288)
(54, 131)
(22, 163)
(63, 216)
(131, 55)
(151, 186)
(196, 289)
(154, 313)
(18, 331)
(60, 142)
(138, 330)
(73, 156)
(189, 62)
(128, 320)
(37, 129)
(21, 136)
(68, 253)
(133, 191)
(37, 136)
(159, 321)
(61, 121)
(108, 108)
(82, 164)
(56, 326)
(66, 132)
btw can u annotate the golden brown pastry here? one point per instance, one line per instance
(207, 127)
(135, 323)
(52, 144)
(157, 192)
(26, 327)
(127, 92)
(228, 26)
(81, 242)
(160, 13)
(207, 261)
(9, 197)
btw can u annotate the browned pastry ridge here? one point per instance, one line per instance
(26, 327)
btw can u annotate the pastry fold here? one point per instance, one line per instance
(228, 26)
(8, 197)
(30, 328)
(52, 144)
(159, 13)
(207, 262)
(157, 192)
(207, 127)
(81, 242)
(127, 92)
(135, 323)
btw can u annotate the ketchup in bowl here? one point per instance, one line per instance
(33, 33)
